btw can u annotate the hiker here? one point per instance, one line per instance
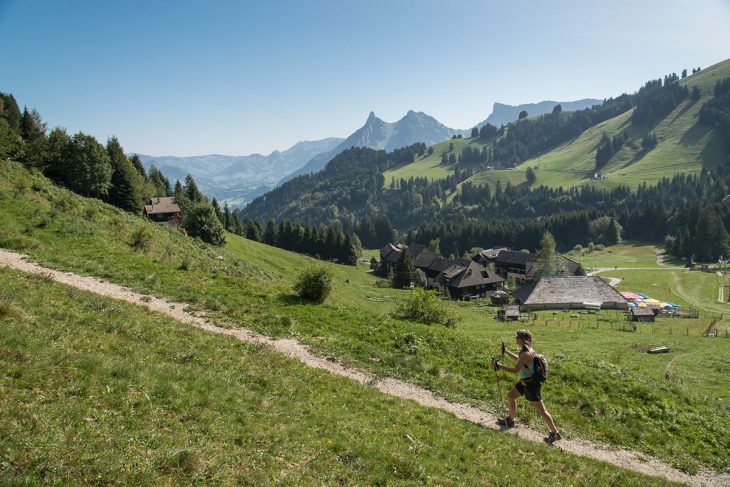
(527, 385)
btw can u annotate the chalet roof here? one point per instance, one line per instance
(475, 275)
(523, 292)
(642, 312)
(515, 257)
(416, 249)
(387, 249)
(491, 254)
(161, 204)
(573, 289)
(439, 265)
(425, 259)
(571, 265)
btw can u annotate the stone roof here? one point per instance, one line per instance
(161, 205)
(573, 289)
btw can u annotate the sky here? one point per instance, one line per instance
(239, 77)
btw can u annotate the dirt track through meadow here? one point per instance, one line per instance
(627, 459)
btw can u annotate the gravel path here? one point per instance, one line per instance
(291, 348)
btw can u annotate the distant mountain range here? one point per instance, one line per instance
(239, 179)
(503, 114)
(377, 134)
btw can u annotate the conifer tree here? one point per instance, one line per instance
(269, 236)
(33, 132)
(125, 191)
(217, 210)
(228, 218)
(403, 270)
(192, 192)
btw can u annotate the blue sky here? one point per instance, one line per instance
(194, 77)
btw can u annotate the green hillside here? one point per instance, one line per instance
(600, 389)
(684, 146)
(430, 165)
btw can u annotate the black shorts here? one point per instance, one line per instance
(531, 391)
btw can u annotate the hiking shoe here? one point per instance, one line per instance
(553, 437)
(508, 422)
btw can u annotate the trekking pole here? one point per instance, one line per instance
(499, 381)
(499, 388)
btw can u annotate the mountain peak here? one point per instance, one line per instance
(371, 117)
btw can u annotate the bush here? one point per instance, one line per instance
(426, 307)
(142, 239)
(314, 284)
(201, 221)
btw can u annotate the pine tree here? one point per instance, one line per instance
(253, 231)
(33, 132)
(228, 218)
(474, 133)
(192, 192)
(613, 233)
(217, 210)
(269, 236)
(403, 270)
(126, 186)
(530, 176)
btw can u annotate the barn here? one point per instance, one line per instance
(572, 292)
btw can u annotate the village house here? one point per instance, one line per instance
(472, 280)
(512, 263)
(163, 210)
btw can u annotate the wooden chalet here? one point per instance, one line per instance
(163, 210)
(511, 263)
(466, 279)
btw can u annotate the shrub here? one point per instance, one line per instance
(201, 221)
(141, 239)
(426, 307)
(314, 284)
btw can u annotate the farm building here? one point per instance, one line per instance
(573, 292)
(644, 315)
(468, 278)
(163, 210)
(509, 312)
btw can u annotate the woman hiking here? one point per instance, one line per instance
(527, 385)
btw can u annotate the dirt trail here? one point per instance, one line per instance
(291, 348)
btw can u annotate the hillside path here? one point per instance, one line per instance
(627, 459)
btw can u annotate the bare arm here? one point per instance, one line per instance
(511, 355)
(522, 360)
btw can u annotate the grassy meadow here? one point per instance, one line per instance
(97, 391)
(602, 386)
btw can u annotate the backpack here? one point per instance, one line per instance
(540, 366)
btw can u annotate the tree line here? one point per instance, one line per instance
(85, 166)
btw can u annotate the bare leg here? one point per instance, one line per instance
(512, 402)
(545, 415)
